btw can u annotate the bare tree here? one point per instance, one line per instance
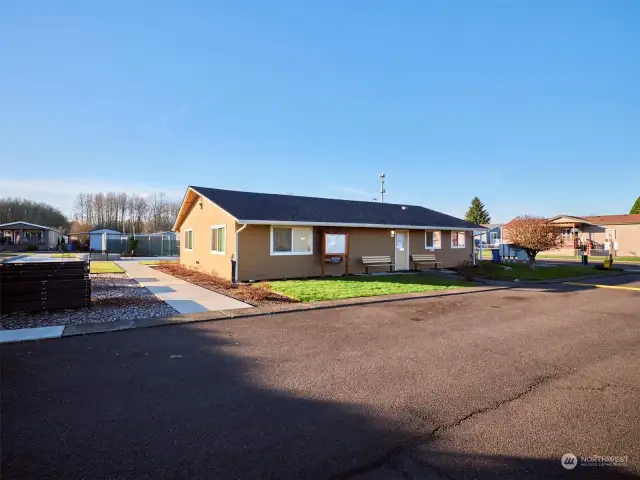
(533, 235)
(124, 212)
(122, 208)
(139, 213)
(100, 209)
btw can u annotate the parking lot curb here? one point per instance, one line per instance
(87, 329)
(551, 281)
(30, 334)
(483, 285)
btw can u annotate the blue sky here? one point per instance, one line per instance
(534, 106)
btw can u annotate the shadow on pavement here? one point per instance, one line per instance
(179, 402)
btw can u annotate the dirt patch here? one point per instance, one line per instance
(253, 294)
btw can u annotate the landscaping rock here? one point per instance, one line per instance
(113, 297)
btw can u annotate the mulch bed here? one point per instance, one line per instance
(254, 294)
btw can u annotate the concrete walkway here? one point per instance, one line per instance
(185, 297)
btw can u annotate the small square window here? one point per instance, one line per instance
(188, 239)
(432, 239)
(218, 239)
(457, 239)
(291, 241)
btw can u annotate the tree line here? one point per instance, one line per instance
(124, 212)
(24, 210)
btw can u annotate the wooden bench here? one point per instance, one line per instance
(379, 261)
(427, 258)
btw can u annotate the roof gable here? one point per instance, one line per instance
(567, 219)
(250, 207)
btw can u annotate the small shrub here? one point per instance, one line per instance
(133, 244)
(466, 269)
(32, 248)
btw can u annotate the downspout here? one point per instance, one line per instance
(238, 249)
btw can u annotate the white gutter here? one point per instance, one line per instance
(359, 225)
(237, 250)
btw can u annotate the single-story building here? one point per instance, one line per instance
(98, 238)
(623, 230)
(491, 237)
(18, 236)
(257, 236)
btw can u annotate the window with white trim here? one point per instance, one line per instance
(218, 239)
(432, 239)
(291, 240)
(188, 239)
(457, 240)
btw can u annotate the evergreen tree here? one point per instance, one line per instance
(477, 212)
(636, 207)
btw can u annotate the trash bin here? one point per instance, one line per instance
(496, 255)
(585, 259)
(69, 247)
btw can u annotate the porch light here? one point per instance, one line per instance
(393, 233)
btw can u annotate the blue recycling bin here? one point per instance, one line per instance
(495, 255)
(69, 247)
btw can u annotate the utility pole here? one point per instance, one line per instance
(382, 190)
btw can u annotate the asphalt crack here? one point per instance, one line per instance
(602, 388)
(494, 406)
(393, 458)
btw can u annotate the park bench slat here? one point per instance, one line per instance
(424, 258)
(377, 261)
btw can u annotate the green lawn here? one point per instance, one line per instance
(622, 259)
(523, 272)
(105, 267)
(359, 286)
(593, 258)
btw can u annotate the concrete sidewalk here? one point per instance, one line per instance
(185, 297)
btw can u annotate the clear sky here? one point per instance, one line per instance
(534, 106)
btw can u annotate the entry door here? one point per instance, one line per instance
(402, 250)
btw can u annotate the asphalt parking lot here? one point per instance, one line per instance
(498, 384)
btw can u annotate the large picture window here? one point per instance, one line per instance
(291, 241)
(432, 239)
(457, 239)
(218, 239)
(188, 239)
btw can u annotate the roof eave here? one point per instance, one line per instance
(359, 225)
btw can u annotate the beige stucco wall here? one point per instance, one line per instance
(449, 257)
(201, 258)
(627, 236)
(255, 261)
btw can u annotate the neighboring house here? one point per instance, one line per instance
(98, 239)
(623, 230)
(490, 238)
(17, 236)
(272, 236)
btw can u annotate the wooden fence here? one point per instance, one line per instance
(35, 286)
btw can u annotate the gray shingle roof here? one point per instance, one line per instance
(265, 207)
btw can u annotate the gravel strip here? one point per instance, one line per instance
(114, 296)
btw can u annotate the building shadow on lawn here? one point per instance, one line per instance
(188, 402)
